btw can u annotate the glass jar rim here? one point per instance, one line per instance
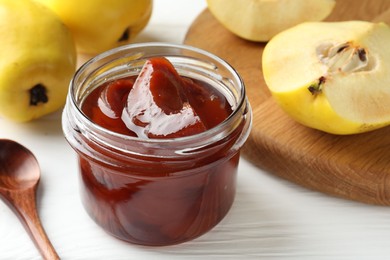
(241, 102)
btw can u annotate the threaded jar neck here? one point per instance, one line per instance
(93, 140)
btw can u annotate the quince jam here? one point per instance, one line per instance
(158, 188)
(158, 103)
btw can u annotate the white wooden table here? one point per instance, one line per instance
(270, 219)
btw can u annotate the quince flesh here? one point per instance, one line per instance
(260, 20)
(38, 60)
(99, 25)
(332, 76)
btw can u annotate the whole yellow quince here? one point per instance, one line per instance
(38, 60)
(332, 76)
(99, 25)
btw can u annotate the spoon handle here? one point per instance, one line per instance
(24, 205)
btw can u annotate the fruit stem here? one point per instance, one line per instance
(316, 88)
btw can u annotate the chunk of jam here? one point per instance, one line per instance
(158, 103)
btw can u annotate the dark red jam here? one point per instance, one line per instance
(153, 200)
(158, 103)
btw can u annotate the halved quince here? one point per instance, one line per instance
(332, 76)
(259, 20)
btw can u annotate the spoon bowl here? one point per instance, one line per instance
(19, 168)
(19, 178)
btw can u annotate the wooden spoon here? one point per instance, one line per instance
(19, 178)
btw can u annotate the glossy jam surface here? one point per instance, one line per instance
(152, 200)
(158, 103)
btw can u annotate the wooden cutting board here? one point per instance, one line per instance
(355, 167)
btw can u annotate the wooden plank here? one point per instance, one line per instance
(355, 167)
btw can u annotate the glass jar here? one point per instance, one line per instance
(157, 191)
